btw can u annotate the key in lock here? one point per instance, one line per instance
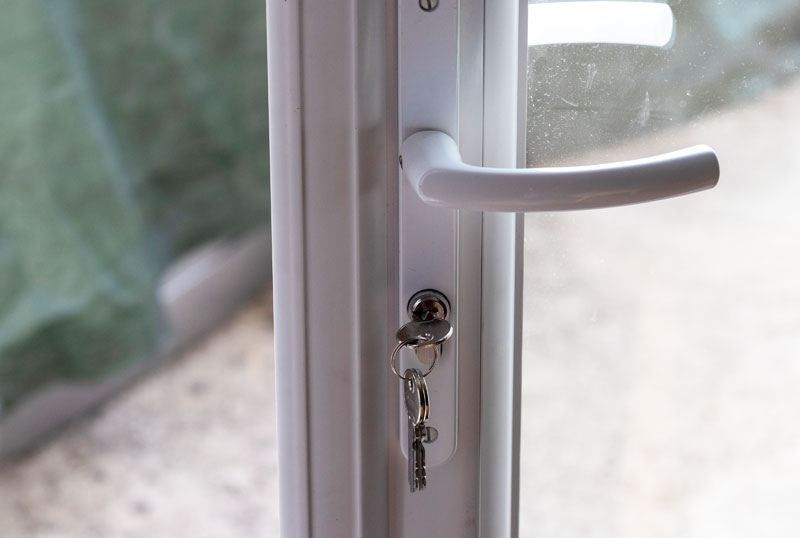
(425, 334)
(424, 306)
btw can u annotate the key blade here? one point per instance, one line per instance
(420, 464)
(412, 458)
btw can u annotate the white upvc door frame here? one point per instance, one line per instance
(334, 139)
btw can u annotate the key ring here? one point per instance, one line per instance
(413, 341)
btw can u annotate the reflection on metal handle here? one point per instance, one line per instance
(433, 166)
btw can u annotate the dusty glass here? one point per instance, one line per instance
(661, 352)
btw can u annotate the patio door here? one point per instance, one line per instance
(396, 132)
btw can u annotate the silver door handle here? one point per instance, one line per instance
(432, 164)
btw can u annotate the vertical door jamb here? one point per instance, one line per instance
(505, 53)
(328, 84)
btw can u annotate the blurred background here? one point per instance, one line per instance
(134, 211)
(661, 349)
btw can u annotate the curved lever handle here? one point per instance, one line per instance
(433, 166)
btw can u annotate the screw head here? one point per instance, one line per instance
(431, 435)
(428, 5)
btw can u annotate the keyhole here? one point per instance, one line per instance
(428, 5)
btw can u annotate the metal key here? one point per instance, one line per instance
(412, 457)
(415, 395)
(419, 336)
(415, 412)
(420, 472)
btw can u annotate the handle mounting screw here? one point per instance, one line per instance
(428, 5)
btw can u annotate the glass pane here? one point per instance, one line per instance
(661, 352)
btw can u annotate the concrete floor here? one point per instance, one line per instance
(181, 454)
(660, 388)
